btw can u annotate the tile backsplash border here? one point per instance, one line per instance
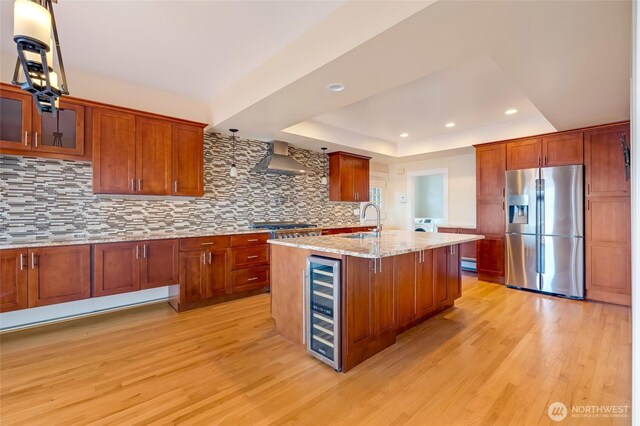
(44, 198)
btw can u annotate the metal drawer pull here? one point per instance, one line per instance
(253, 240)
(252, 257)
(252, 279)
(21, 262)
(133, 185)
(207, 244)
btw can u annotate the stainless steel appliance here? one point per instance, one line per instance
(321, 309)
(281, 230)
(545, 230)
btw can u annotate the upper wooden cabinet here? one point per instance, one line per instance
(187, 152)
(561, 149)
(348, 177)
(604, 162)
(136, 154)
(24, 131)
(114, 152)
(490, 167)
(524, 154)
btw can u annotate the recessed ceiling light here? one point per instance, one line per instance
(511, 111)
(335, 87)
(404, 135)
(450, 124)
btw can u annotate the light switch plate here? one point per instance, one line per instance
(356, 212)
(403, 198)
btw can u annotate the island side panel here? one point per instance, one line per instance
(288, 266)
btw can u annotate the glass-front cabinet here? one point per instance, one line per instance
(23, 129)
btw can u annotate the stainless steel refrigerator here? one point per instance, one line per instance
(545, 230)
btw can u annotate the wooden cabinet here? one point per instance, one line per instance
(467, 250)
(194, 276)
(563, 149)
(159, 264)
(348, 177)
(114, 152)
(187, 152)
(425, 285)
(13, 280)
(608, 217)
(249, 262)
(454, 281)
(116, 268)
(404, 276)
(153, 156)
(24, 131)
(524, 154)
(59, 274)
(131, 266)
(490, 184)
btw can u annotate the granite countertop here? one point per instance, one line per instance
(390, 243)
(83, 239)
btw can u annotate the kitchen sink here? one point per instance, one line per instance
(360, 235)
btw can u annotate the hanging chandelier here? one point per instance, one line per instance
(36, 37)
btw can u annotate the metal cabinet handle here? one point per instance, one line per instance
(144, 251)
(546, 160)
(304, 306)
(133, 184)
(252, 257)
(21, 261)
(137, 252)
(139, 184)
(210, 258)
(26, 138)
(204, 257)
(538, 160)
(33, 261)
(36, 135)
(175, 186)
(252, 279)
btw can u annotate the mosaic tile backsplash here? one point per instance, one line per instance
(47, 199)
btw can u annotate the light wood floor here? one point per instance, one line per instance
(499, 357)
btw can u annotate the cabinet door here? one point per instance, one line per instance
(188, 160)
(468, 250)
(604, 162)
(63, 134)
(608, 248)
(524, 154)
(490, 168)
(385, 297)
(114, 152)
(347, 176)
(217, 278)
(404, 277)
(425, 289)
(564, 149)
(194, 274)
(440, 272)
(490, 256)
(361, 179)
(490, 218)
(13, 280)
(453, 273)
(15, 120)
(359, 304)
(59, 274)
(153, 156)
(159, 266)
(116, 268)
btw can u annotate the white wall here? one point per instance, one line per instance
(462, 188)
(101, 89)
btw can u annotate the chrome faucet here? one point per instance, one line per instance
(364, 213)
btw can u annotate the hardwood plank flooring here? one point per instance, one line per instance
(500, 356)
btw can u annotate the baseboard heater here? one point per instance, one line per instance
(468, 264)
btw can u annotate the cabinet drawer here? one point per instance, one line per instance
(247, 257)
(247, 279)
(249, 239)
(199, 243)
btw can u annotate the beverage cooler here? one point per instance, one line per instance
(322, 309)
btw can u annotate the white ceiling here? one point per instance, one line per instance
(408, 66)
(195, 48)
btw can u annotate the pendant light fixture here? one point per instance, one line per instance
(323, 180)
(234, 171)
(36, 37)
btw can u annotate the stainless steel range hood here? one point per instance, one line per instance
(278, 162)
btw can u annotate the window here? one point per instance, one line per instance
(377, 196)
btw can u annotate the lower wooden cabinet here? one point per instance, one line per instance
(59, 274)
(125, 267)
(13, 280)
(490, 264)
(405, 278)
(454, 279)
(203, 274)
(425, 285)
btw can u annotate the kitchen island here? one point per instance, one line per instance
(389, 283)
